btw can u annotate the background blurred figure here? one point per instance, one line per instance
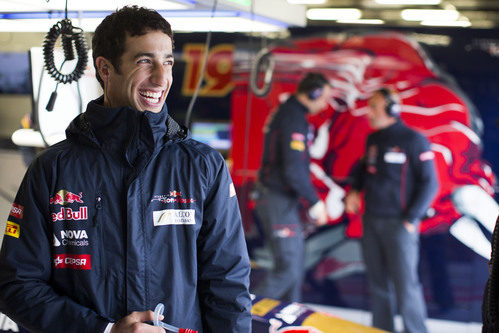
(398, 176)
(284, 178)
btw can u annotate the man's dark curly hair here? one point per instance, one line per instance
(109, 38)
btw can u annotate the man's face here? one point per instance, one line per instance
(145, 73)
(322, 101)
(377, 116)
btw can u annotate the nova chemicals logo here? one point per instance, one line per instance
(71, 238)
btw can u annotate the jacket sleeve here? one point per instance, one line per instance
(425, 180)
(26, 293)
(223, 263)
(296, 159)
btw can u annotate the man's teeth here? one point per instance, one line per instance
(150, 96)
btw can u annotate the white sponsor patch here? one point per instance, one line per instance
(426, 156)
(173, 216)
(395, 157)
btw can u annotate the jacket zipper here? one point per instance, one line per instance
(100, 250)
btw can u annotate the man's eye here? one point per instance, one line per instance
(169, 62)
(143, 61)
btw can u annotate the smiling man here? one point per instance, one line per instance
(128, 211)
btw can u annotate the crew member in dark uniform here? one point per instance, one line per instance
(284, 177)
(399, 179)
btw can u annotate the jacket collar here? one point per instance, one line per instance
(293, 100)
(116, 127)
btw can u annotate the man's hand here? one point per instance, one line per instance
(319, 213)
(410, 227)
(352, 202)
(135, 323)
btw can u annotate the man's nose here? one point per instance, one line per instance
(160, 75)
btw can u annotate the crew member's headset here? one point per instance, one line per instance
(313, 84)
(315, 93)
(392, 108)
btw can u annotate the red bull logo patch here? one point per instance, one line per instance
(73, 261)
(63, 197)
(17, 211)
(67, 214)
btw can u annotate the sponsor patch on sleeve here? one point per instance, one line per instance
(173, 217)
(17, 211)
(232, 190)
(426, 156)
(297, 136)
(13, 229)
(297, 145)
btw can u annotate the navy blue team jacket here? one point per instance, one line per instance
(286, 160)
(397, 173)
(125, 213)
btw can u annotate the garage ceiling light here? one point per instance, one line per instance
(408, 2)
(95, 5)
(429, 14)
(228, 21)
(333, 14)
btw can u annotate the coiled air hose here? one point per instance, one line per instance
(263, 60)
(69, 34)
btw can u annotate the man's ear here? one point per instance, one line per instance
(103, 67)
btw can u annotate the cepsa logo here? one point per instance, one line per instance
(72, 261)
(17, 211)
(63, 197)
(67, 214)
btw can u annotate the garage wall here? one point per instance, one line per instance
(14, 106)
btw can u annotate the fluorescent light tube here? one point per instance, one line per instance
(333, 14)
